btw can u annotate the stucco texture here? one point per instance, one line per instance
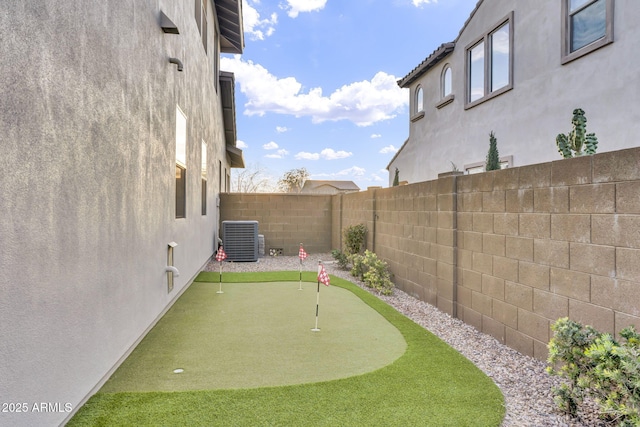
(87, 130)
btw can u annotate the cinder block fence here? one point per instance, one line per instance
(506, 251)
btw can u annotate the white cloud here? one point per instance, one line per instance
(241, 144)
(270, 146)
(327, 154)
(294, 7)
(418, 3)
(280, 154)
(389, 149)
(282, 129)
(330, 154)
(257, 28)
(307, 156)
(363, 103)
(375, 136)
(354, 171)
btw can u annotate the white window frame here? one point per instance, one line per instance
(478, 167)
(486, 39)
(446, 98)
(567, 54)
(201, 20)
(418, 104)
(203, 179)
(181, 162)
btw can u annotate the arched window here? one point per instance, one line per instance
(446, 81)
(419, 107)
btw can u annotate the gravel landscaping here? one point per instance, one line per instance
(523, 381)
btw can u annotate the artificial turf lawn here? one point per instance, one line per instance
(431, 384)
(258, 335)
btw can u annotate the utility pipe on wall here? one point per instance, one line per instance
(172, 269)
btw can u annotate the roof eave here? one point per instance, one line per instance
(228, 101)
(229, 14)
(397, 154)
(431, 61)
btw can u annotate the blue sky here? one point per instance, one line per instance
(316, 84)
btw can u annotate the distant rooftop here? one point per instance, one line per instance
(328, 187)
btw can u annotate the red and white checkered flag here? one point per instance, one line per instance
(221, 255)
(323, 277)
(302, 254)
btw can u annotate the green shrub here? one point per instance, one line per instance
(373, 271)
(357, 266)
(341, 258)
(354, 239)
(596, 365)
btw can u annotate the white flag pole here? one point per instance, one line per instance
(316, 329)
(220, 291)
(299, 252)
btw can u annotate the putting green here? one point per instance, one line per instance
(258, 335)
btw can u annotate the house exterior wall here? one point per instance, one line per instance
(526, 119)
(87, 134)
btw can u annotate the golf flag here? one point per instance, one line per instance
(221, 255)
(301, 253)
(323, 277)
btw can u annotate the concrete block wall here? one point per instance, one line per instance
(551, 240)
(415, 233)
(285, 220)
(356, 208)
(508, 252)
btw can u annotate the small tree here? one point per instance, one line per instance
(293, 180)
(252, 179)
(493, 158)
(396, 178)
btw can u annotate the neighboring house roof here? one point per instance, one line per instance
(230, 20)
(227, 96)
(397, 153)
(436, 56)
(311, 185)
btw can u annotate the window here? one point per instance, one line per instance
(181, 163)
(419, 100)
(473, 168)
(588, 25)
(489, 64)
(201, 20)
(204, 178)
(446, 88)
(418, 104)
(446, 81)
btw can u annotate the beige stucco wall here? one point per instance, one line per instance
(87, 135)
(527, 119)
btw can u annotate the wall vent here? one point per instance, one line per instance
(240, 240)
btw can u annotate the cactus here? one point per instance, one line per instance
(572, 145)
